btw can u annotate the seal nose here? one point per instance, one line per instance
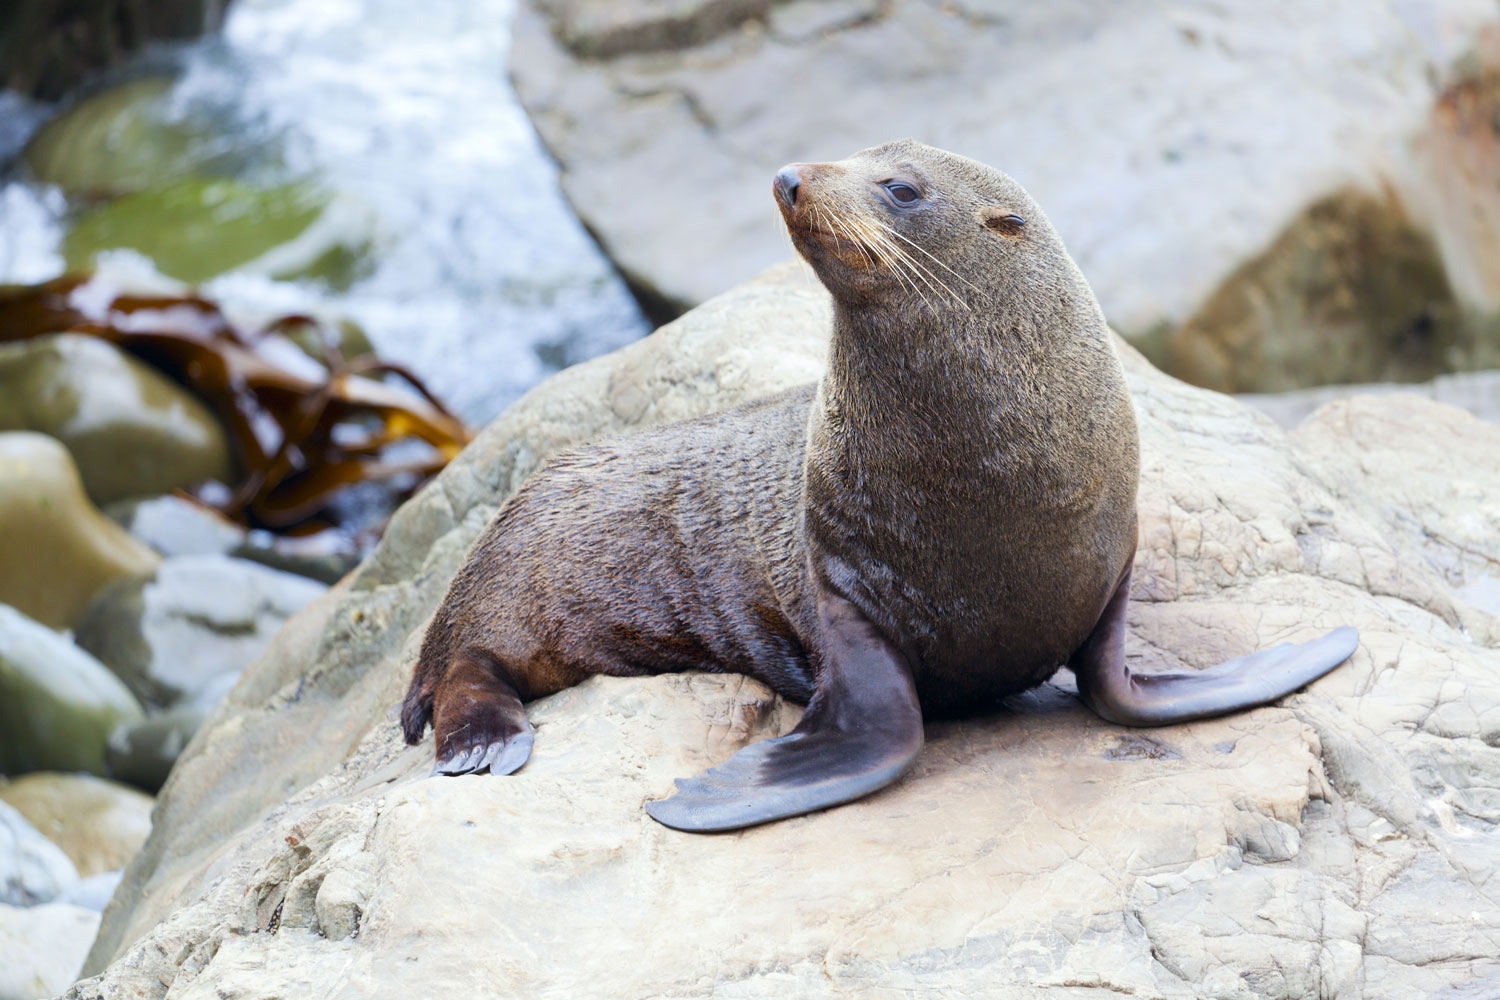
(787, 182)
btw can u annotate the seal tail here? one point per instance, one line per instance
(1118, 695)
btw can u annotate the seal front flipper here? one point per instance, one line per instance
(478, 720)
(861, 731)
(1116, 694)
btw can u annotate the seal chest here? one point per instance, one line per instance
(945, 518)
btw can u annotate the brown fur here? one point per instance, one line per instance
(964, 474)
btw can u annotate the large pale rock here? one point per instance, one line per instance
(58, 705)
(58, 550)
(98, 824)
(1341, 162)
(131, 430)
(43, 947)
(185, 632)
(1345, 842)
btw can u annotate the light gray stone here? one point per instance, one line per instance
(1263, 195)
(32, 869)
(179, 634)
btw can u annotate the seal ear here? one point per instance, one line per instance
(1002, 221)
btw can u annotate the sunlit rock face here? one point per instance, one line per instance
(1342, 842)
(1264, 197)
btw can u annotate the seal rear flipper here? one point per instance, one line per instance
(478, 720)
(1116, 694)
(861, 731)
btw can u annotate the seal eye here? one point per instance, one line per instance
(902, 194)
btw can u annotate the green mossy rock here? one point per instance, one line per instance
(196, 228)
(132, 431)
(58, 704)
(118, 141)
(58, 550)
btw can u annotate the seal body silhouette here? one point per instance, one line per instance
(945, 518)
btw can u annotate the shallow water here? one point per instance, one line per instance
(483, 280)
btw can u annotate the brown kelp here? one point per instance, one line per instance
(302, 432)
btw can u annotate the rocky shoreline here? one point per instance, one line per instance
(1343, 842)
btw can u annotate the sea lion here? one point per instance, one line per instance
(946, 518)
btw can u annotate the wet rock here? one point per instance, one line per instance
(1345, 205)
(58, 704)
(32, 869)
(131, 430)
(98, 824)
(175, 526)
(59, 550)
(1337, 843)
(123, 139)
(47, 47)
(143, 752)
(197, 228)
(182, 633)
(44, 946)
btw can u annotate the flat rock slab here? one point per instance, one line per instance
(1345, 842)
(1114, 118)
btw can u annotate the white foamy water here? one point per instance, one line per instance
(481, 271)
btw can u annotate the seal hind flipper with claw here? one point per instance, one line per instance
(1117, 694)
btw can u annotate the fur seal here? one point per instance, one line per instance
(946, 518)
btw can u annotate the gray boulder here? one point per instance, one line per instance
(1343, 842)
(183, 633)
(32, 869)
(1263, 195)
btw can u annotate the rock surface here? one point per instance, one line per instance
(59, 550)
(43, 947)
(98, 824)
(1342, 176)
(131, 430)
(58, 705)
(1345, 842)
(183, 633)
(32, 869)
